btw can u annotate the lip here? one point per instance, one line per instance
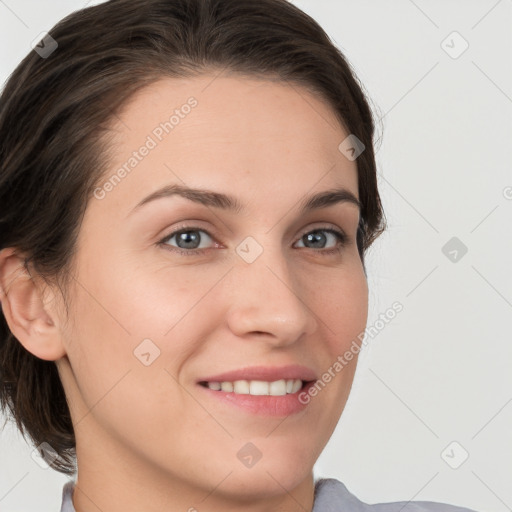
(262, 405)
(266, 373)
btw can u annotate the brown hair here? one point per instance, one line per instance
(54, 116)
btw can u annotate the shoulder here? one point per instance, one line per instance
(331, 493)
(67, 495)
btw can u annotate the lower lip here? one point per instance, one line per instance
(264, 405)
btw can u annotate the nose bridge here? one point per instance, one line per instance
(266, 296)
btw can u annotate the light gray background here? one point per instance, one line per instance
(440, 371)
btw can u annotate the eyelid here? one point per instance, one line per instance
(323, 225)
(190, 227)
(341, 234)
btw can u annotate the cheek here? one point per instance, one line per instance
(127, 314)
(130, 297)
(342, 307)
(115, 334)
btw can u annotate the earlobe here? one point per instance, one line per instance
(34, 326)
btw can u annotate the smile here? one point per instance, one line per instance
(257, 387)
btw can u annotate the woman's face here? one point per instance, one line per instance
(264, 288)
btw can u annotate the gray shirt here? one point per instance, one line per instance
(331, 495)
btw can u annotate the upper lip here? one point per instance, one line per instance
(266, 373)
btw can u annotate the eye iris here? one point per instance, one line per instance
(315, 237)
(188, 237)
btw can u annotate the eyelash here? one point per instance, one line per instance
(340, 235)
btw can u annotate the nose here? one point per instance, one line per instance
(268, 302)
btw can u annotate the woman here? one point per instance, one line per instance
(188, 190)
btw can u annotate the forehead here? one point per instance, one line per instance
(247, 134)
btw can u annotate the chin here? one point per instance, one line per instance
(276, 471)
(254, 483)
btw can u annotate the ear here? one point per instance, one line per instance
(34, 325)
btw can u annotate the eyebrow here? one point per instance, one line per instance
(227, 202)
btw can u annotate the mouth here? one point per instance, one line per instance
(261, 390)
(279, 387)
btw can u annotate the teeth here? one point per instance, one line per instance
(278, 387)
(241, 387)
(258, 387)
(226, 386)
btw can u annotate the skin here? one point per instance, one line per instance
(147, 436)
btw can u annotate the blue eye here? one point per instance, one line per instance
(317, 236)
(189, 240)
